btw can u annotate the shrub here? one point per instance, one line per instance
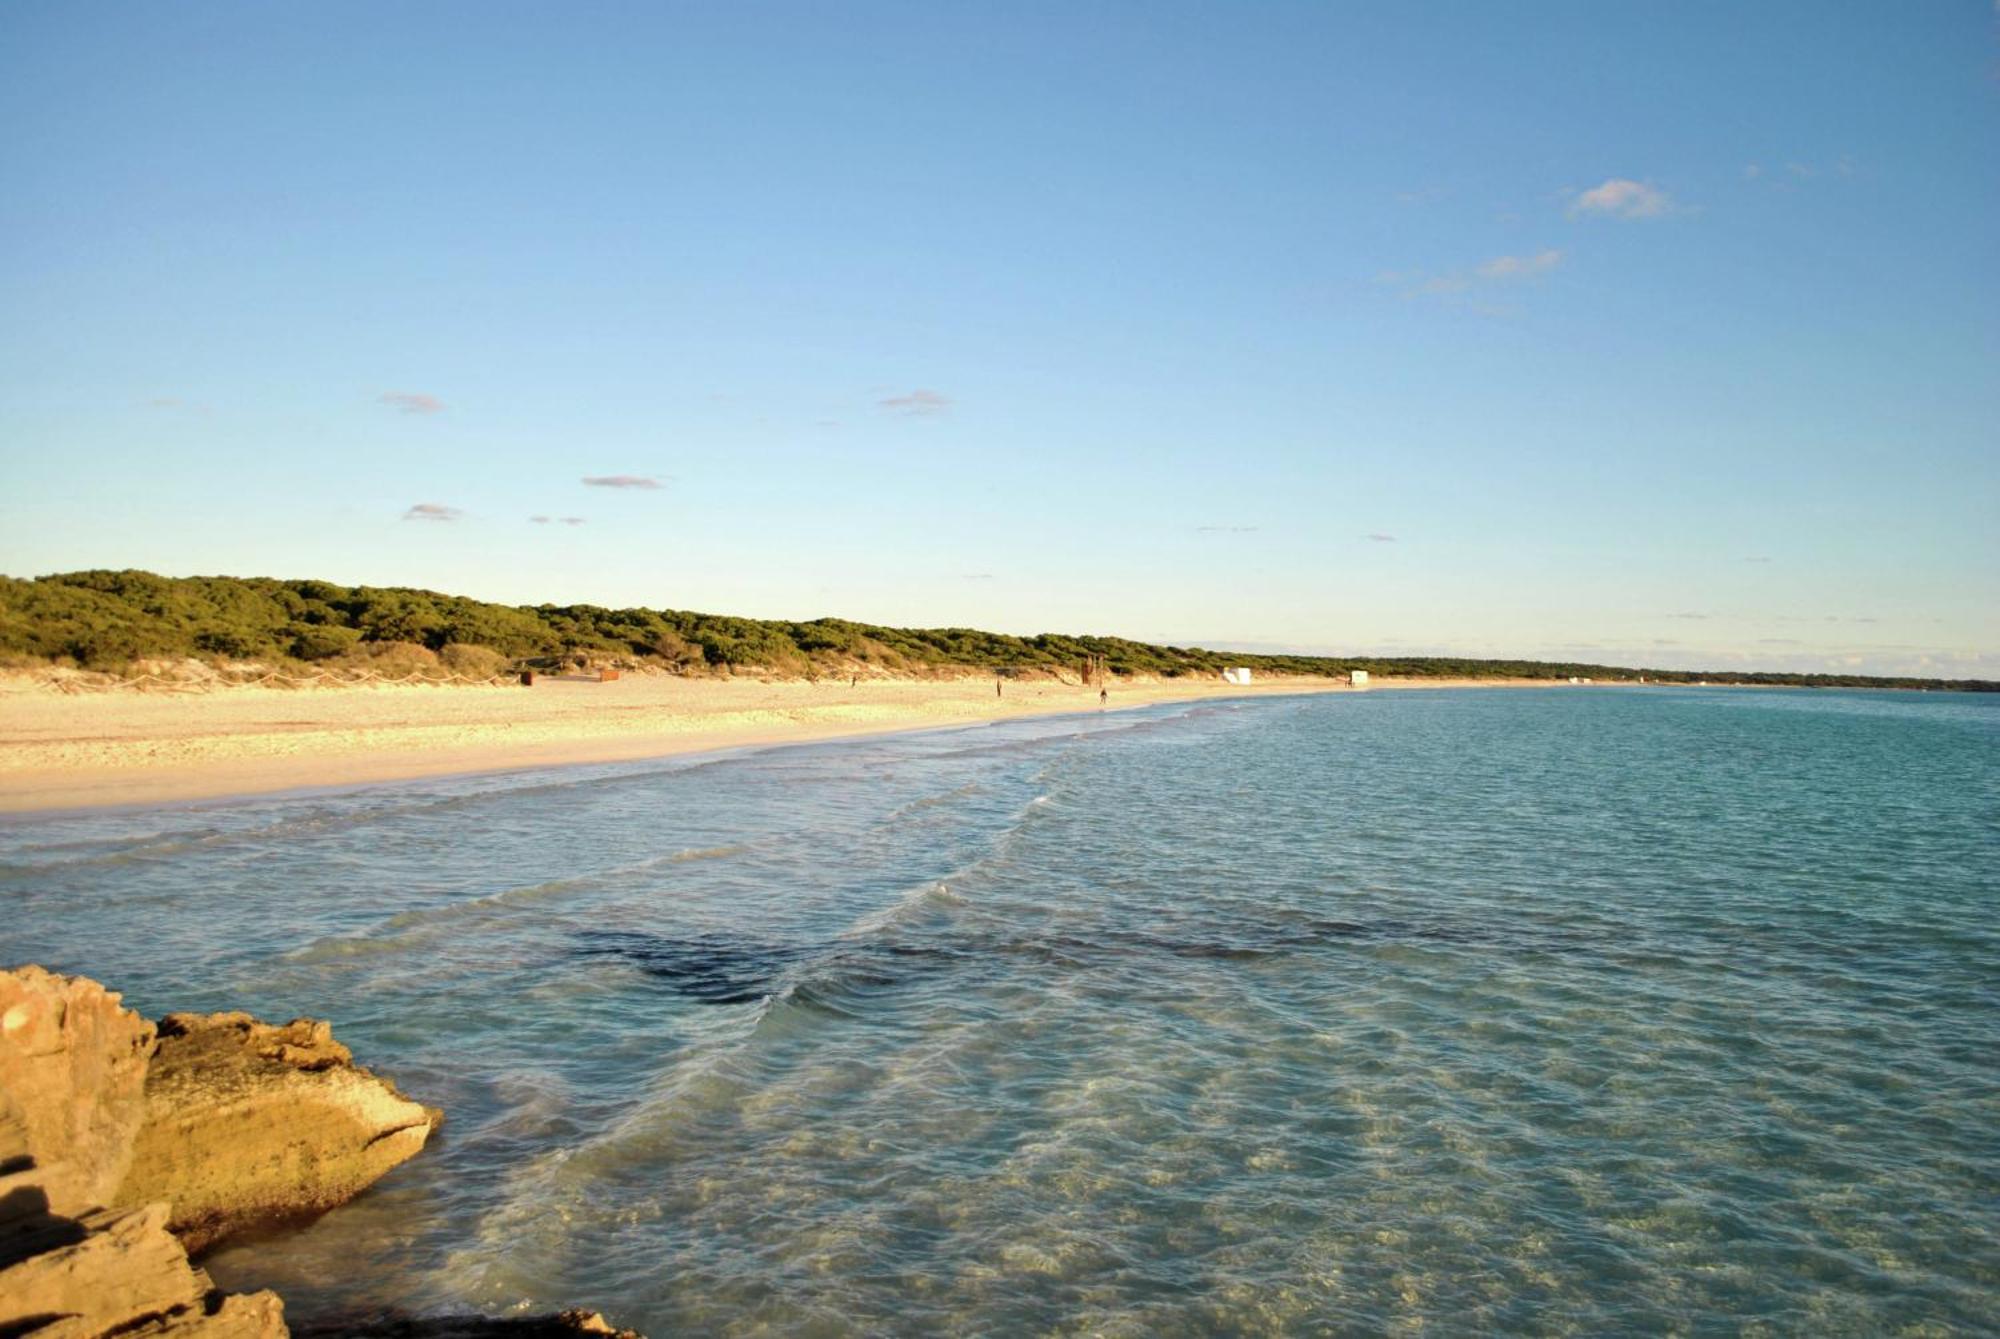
(233, 643)
(323, 642)
(473, 662)
(679, 653)
(394, 660)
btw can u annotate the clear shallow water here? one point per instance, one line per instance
(1568, 1011)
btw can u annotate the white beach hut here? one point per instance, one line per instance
(1357, 678)
(1241, 675)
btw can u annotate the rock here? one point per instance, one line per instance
(73, 1066)
(249, 1125)
(235, 1122)
(116, 1271)
(72, 1080)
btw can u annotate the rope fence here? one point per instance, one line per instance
(163, 683)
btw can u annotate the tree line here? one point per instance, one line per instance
(107, 620)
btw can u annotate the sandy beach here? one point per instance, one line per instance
(117, 748)
(61, 751)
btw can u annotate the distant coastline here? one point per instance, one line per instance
(252, 628)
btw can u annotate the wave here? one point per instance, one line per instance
(409, 927)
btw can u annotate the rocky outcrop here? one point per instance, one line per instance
(115, 1271)
(189, 1131)
(248, 1124)
(72, 1085)
(73, 1066)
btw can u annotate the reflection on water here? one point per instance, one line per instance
(1575, 1010)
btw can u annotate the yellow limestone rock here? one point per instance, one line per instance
(72, 1085)
(73, 1066)
(248, 1124)
(119, 1271)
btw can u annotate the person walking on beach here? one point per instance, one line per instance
(996, 688)
(1103, 697)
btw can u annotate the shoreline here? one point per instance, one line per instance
(117, 750)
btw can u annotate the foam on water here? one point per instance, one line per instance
(1570, 1011)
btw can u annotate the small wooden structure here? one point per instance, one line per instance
(1357, 679)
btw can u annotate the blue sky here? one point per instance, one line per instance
(1652, 333)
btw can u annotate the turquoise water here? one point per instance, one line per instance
(1570, 1011)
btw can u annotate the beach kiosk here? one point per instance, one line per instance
(1357, 678)
(1241, 675)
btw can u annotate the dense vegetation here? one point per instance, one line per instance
(108, 620)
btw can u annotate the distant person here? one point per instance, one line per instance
(996, 688)
(1103, 697)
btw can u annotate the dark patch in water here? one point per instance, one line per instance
(711, 968)
(720, 968)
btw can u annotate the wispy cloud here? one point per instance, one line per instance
(1226, 529)
(1520, 267)
(174, 404)
(976, 576)
(1623, 198)
(572, 520)
(411, 402)
(432, 511)
(548, 520)
(621, 481)
(1377, 537)
(1796, 171)
(1498, 270)
(917, 404)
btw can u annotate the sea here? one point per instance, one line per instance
(1582, 1010)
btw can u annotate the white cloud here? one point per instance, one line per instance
(1520, 267)
(432, 511)
(621, 481)
(1623, 198)
(412, 402)
(1500, 269)
(918, 403)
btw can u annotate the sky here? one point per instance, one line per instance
(1656, 334)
